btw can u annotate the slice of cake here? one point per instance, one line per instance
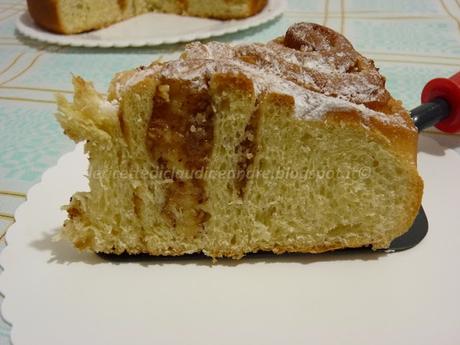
(71, 16)
(290, 146)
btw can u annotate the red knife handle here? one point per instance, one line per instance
(447, 89)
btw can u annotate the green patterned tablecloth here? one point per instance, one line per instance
(411, 41)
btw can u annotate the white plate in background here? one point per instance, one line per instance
(151, 29)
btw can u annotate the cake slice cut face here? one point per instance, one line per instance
(290, 146)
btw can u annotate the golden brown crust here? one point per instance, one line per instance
(311, 38)
(329, 66)
(346, 75)
(46, 14)
(237, 81)
(257, 6)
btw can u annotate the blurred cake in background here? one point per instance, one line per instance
(76, 16)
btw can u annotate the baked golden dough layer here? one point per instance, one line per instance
(76, 16)
(290, 146)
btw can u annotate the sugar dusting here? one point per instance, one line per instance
(319, 82)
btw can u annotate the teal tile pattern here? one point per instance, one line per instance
(396, 6)
(430, 36)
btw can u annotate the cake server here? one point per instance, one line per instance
(440, 108)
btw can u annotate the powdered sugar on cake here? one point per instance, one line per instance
(322, 76)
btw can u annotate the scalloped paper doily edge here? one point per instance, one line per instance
(6, 257)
